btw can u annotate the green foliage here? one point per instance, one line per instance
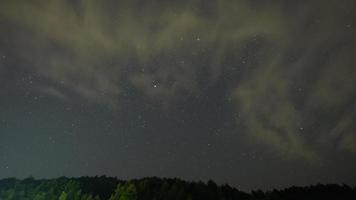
(103, 188)
(63, 196)
(40, 196)
(125, 192)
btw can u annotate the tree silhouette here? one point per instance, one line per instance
(125, 192)
(104, 188)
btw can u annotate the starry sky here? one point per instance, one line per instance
(254, 93)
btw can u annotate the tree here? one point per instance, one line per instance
(125, 192)
(40, 196)
(63, 196)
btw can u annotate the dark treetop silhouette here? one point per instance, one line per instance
(106, 188)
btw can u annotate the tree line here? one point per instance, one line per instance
(108, 188)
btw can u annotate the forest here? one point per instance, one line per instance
(153, 188)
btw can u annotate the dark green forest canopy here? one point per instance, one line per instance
(108, 188)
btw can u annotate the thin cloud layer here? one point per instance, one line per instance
(291, 68)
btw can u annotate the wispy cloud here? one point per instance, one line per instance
(302, 58)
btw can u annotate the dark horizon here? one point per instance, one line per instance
(266, 190)
(104, 188)
(253, 93)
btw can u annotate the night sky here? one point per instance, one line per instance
(253, 93)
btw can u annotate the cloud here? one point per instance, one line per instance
(343, 135)
(87, 45)
(269, 113)
(299, 58)
(54, 92)
(296, 96)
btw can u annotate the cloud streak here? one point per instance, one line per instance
(300, 65)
